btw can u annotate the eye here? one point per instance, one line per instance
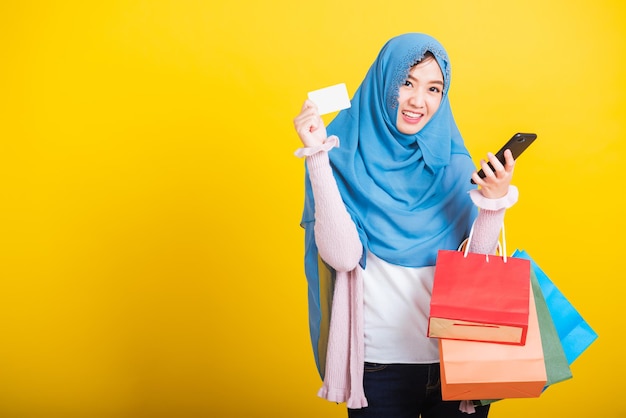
(408, 83)
(435, 89)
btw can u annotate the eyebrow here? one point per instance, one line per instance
(410, 77)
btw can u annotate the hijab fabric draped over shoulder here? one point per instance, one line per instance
(407, 194)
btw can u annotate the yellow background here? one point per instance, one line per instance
(150, 253)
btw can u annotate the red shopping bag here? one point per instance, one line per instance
(480, 297)
(478, 370)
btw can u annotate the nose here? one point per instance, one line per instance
(417, 98)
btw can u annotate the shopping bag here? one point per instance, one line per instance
(557, 366)
(575, 333)
(480, 297)
(479, 370)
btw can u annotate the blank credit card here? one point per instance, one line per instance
(331, 99)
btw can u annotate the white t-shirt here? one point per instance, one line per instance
(395, 313)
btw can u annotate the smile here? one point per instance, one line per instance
(412, 115)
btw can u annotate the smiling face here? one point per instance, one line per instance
(420, 96)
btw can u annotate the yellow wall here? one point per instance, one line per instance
(150, 253)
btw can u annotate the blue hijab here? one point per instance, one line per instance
(407, 194)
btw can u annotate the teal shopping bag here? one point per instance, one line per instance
(575, 333)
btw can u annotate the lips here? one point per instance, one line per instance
(412, 117)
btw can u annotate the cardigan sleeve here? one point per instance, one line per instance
(489, 220)
(336, 235)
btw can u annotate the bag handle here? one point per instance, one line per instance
(502, 247)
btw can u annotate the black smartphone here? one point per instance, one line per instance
(517, 144)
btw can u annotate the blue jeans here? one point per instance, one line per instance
(407, 391)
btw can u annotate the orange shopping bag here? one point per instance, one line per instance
(473, 370)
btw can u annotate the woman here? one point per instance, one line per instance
(387, 187)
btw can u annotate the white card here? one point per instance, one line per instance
(331, 99)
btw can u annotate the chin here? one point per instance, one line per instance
(410, 130)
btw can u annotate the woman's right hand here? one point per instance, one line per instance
(310, 126)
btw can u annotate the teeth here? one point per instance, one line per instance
(412, 115)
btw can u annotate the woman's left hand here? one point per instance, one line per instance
(496, 182)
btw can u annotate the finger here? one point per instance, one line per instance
(309, 104)
(306, 127)
(500, 169)
(313, 124)
(509, 160)
(477, 179)
(495, 162)
(487, 169)
(299, 121)
(306, 115)
(309, 110)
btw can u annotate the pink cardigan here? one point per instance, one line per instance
(338, 244)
